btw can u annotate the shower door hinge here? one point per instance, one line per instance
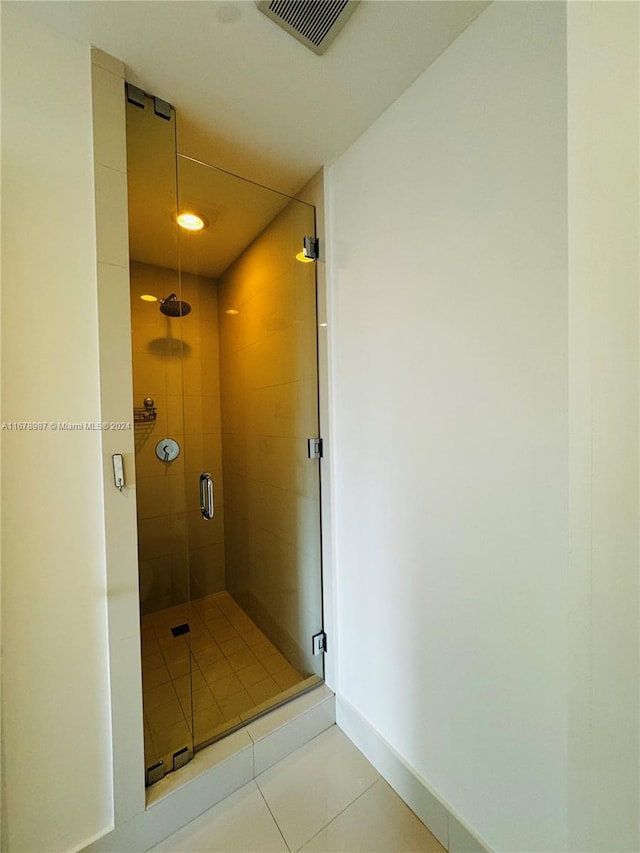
(155, 773)
(311, 248)
(181, 757)
(315, 449)
(162, 108)
(135, 95)
(319, 643)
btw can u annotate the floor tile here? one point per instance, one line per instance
(251, 675)
(230, 647)
(323, 798)
(179, 667)
(172, 738)
(287, 677)
(263, 649)
(185, 684)
(161, 715)
(239, 660)
(221, 629)
(242, 623)
(150, 646)
(157, 696)
(155, 677)
(224, 687)
(240, 824)
(275, 663)
(253, 637)
(236, 704)
(199, 700)
(215, 670)
(201, 642)
(313, 785)
(263, 690)
(152, 660)
(209, 656)
(377, 822)
(206, 722)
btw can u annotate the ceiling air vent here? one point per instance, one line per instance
(315, 23)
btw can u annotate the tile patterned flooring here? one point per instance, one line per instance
(234, 668)
(324, 798)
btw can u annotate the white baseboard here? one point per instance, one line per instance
(439, 817)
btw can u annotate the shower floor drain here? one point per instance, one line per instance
(180, 629)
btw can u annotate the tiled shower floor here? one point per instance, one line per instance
(234, 669)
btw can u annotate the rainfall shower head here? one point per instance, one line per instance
(173, 307)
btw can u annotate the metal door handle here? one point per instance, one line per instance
(207, 507)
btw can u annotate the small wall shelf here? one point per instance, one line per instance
(141, 416)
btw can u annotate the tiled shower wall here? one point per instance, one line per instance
(175, 362)
(269, 394)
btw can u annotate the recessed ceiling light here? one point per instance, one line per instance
(149, 298)
(231, 311)
(303, 258)
(190, 221)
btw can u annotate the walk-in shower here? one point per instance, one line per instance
(225, 394)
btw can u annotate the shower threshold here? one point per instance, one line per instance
(235, 760)
(208, 670)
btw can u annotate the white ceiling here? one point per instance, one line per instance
(249, 97)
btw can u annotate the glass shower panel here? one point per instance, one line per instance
(251, 404)
(159, 340)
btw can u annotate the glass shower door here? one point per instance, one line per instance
(251, 404)
(159, 339)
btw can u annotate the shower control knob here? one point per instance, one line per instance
(167, 449)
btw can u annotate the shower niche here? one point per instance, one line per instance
(224, 360)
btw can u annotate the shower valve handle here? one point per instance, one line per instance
(167, 449)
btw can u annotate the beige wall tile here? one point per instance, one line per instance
(108, 119)
(274, 359)
(175, 415)
(155, 583)
(234, 453)
(282, 462)
(234, 413)
(170, 356)
(109, 63)
(203, 452)
(149, 377)
(192, 373)
(203, 532)
(154, 538)
(111, 229)
(152, 496)
(115, 343)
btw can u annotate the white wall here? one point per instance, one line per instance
(448, 226)
(603, 150)
(57, 777)
(484, 323)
